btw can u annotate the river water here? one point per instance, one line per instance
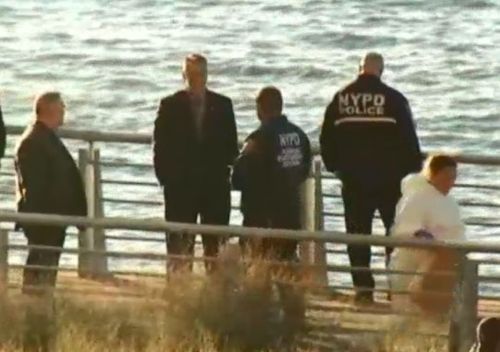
(114, 61)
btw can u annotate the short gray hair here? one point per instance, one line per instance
(197, 60)
(45, 98)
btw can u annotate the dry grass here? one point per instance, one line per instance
(228, 312)
(231, 312)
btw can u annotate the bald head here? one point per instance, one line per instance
(269, 103)
(49, 108)
(487, 334)
(372, 64)
(195, 72)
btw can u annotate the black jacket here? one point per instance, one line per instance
(3, 135)
(274, 163)
(368, 135)
(48, 179)
(181, 159)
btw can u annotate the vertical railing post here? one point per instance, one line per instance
(319, 246)
(86, 237)
(99, 245)
(465, 315)
(4, 260)
(307, 219)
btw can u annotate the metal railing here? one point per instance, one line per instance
(465, 315)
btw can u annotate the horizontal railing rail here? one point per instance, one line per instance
(92, 136)
(157, 225)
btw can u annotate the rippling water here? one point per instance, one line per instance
(114, 62)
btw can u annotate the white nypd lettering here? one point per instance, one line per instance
(379, 100)
(355, 99)
(366, 104)
(290, 154)
(289, 139)
(343, 100)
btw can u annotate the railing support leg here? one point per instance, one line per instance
(100, 258)
(86, 237)
(464, 318)
(307, 219)
(4, 260)
(319, 247)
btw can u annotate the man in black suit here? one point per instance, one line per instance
(48, 182)
(195, 144)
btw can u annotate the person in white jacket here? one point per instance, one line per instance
(426, 210)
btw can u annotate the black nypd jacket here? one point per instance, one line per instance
(273, 164)
(368, 136)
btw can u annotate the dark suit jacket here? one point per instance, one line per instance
(47, 177)
(3, 135)
(182, 160)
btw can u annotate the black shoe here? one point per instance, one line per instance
(364, 298)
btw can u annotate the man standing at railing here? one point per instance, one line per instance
(273, 164)
(48, 182)
(368, 139)
(195, 144)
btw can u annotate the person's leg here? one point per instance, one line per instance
(39, 283)
(215, 210)
(359, 211)
(31, 276)
(289, 275)
(179, 208)
(56, 239)
(290, 290)
(40, 279)
(386, 205)
(251, 247)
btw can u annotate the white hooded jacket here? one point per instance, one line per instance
(422, 207)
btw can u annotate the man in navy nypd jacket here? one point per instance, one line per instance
(273, 164)
(369, 140)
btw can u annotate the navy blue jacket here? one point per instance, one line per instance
(272, 166)
(368, 136)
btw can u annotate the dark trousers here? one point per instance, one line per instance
(282, 250)
(39, 280)
(359, 207)
(213, 208)
(279, 249)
